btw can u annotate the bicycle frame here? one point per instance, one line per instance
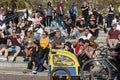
(111, 64)
(100, 62)
(110, 61)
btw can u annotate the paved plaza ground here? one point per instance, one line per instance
(22, 77)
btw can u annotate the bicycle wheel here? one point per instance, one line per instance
(60, 73)
(95, 70)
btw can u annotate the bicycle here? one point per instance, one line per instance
(101, 67)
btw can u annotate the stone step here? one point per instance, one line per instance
(21, 71)
(101, 39)
(18, 59)
(18, 68)
(12, 69)
(13, 64)
(102, 35)
(19, 63)
(100, 42)
(71, 40)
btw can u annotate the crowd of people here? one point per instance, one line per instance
(28, 34)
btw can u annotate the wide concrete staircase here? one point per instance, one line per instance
(8, 67)
(17, 67)
(101, 38)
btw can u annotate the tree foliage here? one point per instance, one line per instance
(15, 4)
(20, 4)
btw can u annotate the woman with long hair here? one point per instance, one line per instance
(28, 45)
(49, 13)
(44, 42)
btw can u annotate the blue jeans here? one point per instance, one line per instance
(59, 18)
(73, 33)
(37, 36)
(55, 24)
(14, 48)
(40, 65)
(73, 17)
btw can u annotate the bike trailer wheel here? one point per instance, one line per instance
(60, 73)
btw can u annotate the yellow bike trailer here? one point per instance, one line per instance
(64, 63)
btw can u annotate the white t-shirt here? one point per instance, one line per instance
(40, 30)
(114, 21)
(118, 26)
(2, 17)
(31, 19)
(84, 37)
(2, 27)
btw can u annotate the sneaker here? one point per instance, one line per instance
(34, 72)
(13, 59)
(0, 53)
(4, 59)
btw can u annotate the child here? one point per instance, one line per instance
(68, 47)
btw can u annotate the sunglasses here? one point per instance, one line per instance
(13, 32)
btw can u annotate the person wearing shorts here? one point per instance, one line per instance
(15, 47)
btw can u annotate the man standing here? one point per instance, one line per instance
(73, 11)
(85, 11)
